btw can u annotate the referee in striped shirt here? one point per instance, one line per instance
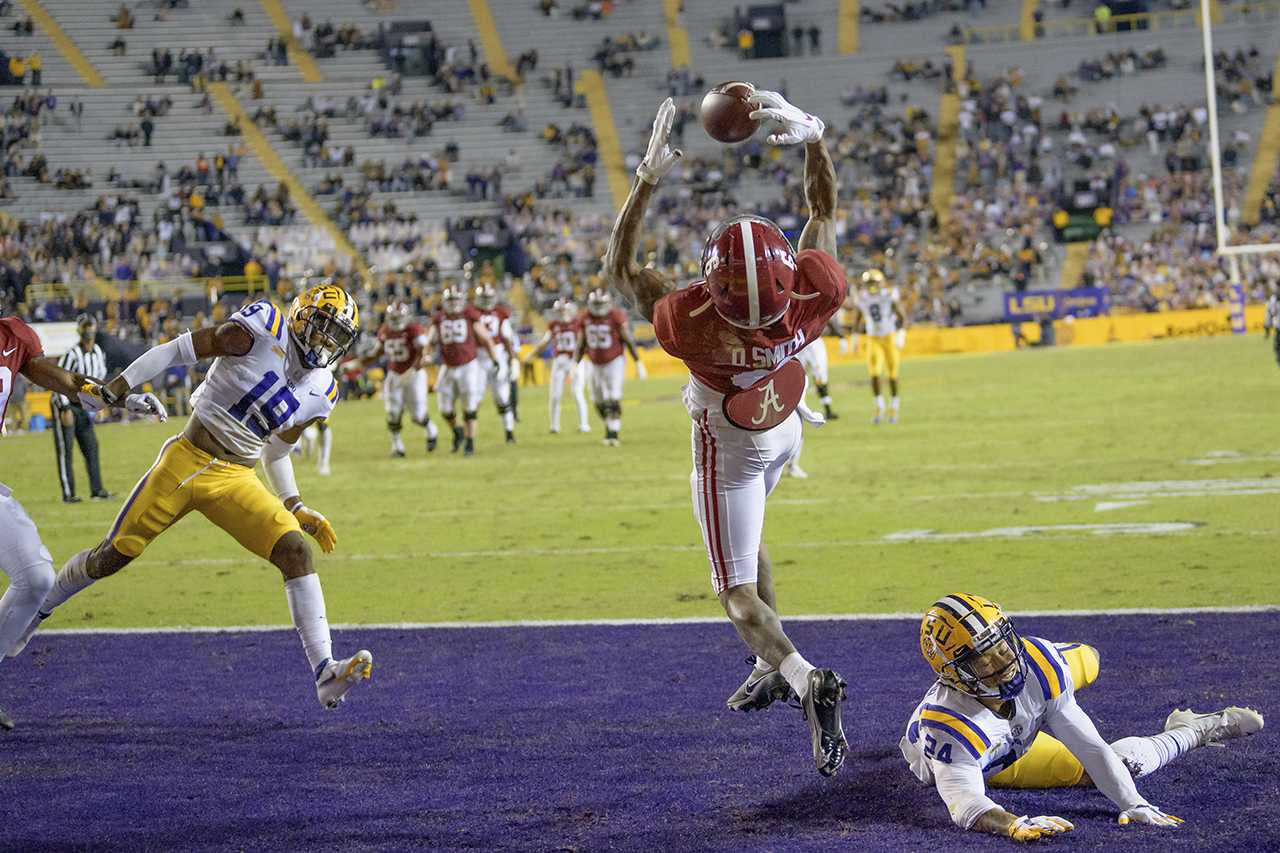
(72, 421)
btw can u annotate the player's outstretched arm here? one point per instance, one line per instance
(228, 339)
(277, 464)
(642, 286)
(46, 373)
(795, 125)
(963, 789)
(537, 347)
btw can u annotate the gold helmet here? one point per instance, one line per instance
(324, 322)
(453, 300)
(485, 297)
(973, 647)
(873, 280)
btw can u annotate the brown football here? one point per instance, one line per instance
(726, 113)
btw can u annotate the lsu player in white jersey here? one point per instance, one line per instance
(497, 324)
(981, 724)
(564, 334)
(270, 381)
(885, 334)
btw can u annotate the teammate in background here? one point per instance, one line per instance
(738, 331)
(24, 559)
(496, 321)
(564, 333)
(605, 333)
(813, 358)
(403, 341)
(271, 380)
(1271, 319)
(456, 329)
(885, 328)
(981, 724)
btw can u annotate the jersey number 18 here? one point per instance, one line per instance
(272, 414)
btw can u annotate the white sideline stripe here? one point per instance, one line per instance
(684, 620)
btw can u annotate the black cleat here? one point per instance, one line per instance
(73, 499)
(101, 495)
(431, 444)
(760, 690)
(511, 437)
(458, 436)
(470, 449)
(397, 454)
(6, 722)
(832, 416)
(821, 706)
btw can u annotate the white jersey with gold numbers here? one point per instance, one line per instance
(877, 311)
(246, 398)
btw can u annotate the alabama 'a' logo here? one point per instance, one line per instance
(769, 401)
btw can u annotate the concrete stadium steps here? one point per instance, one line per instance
(202, 23)
(57, 71)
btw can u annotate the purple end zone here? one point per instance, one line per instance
(585, 738)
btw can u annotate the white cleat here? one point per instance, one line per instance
(32, 627)
(323, 470)
(584, 428)
(339, 676)
(1232, 722)
(794, 470)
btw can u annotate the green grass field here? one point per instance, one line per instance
(560, 527)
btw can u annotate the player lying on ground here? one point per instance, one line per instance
(24, 559)
(981, 724)
(270, 381)
(738, 331)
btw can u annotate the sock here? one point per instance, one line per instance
(397, 443)
(326, 444)
(763, 666)
(1145, 755)
(73, 578)
(614, 425)
(432, 430)
(306, 606)
(795, 669)
(471, 444)
(894, 404)
(508, 421)
(880, 403)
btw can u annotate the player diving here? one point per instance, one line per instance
(271, 378)
(982, 724)
(739, 331)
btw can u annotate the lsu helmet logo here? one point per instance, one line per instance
(971, 646)
(324, 322)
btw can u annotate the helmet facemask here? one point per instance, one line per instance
(325, 337)
(994, 668)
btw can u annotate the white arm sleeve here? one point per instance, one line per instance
(278, 467)
(963, 789)
(1072, 726)
(160, 358)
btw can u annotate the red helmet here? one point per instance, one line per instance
(750, 269)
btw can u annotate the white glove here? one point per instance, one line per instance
(641, 373)
(797, 125)
(146, 405)
(660, 157)
(900, 339)
(1034, 828)
(1148, 814)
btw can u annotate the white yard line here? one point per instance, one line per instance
(691, 620)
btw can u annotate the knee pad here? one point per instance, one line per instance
(502, 410)
(468, 416)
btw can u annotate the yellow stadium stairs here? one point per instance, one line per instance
(849, 13)
(1027, 22)
(591, 85)
(272, 162)
(943, 188)
(677, 35)
(1072, 271)
(298, 54)
(90, 75)
(1267, 157)
(490, 40)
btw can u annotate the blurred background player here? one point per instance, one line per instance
(738, 332)
(605, 333)
(402, 340)
(496, 321)
(982, 721)
(71, 423)
(457, 330)
(813, 359)
(564, 333)
(24, 559)
(885, 331)
(272, 378)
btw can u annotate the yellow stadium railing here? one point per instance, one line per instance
(173, 288)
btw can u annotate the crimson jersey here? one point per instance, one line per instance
(726, 358)
(491, 322)
(565, 337)
(18, 345)
(403, 348)
(604, 335)
(457, 339)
